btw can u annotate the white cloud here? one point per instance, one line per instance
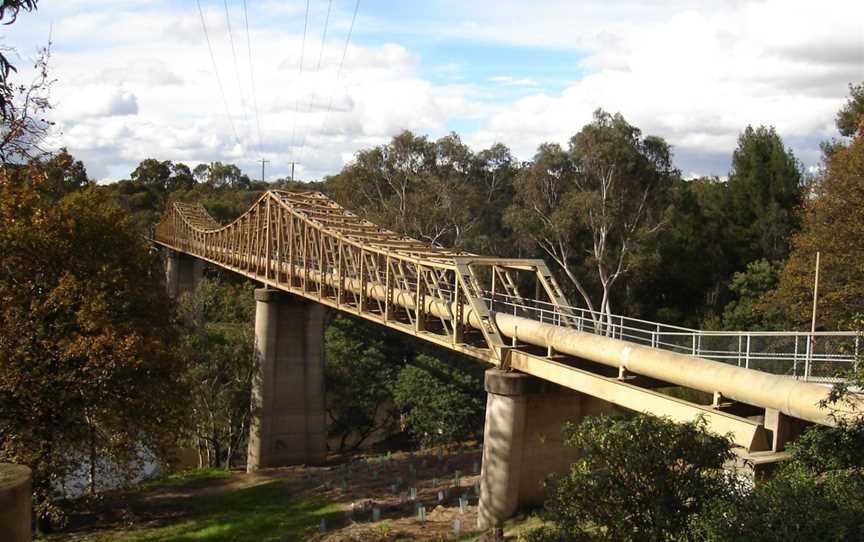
(509, 80)
(698, 77)
(97, 100)
(135, 78)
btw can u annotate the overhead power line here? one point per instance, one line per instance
(317, 69)
(216, 72)
(341, 63)
(348, 39)
(236, 68)
(252, 78)
(302, 55)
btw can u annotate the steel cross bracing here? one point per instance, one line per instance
(306, 244)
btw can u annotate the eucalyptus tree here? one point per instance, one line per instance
(438, 191)
(593, 207)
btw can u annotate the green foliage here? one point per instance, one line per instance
(594, 208)
(63, 175)
(682, 284)
(620, 490)
(748, 288)
(362, 361)
(793, 507)
(439, 399)
(87, 342)
(765, 189)
(849, 117)
(218, 350)
(375, 378)
(818, 495)
(832, 224)
(164, 176)
(220, 175)
(226, 303)
(824, 449)
(440, 192)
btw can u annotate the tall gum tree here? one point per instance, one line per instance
(591, 209)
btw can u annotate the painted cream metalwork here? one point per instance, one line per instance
(306, 244)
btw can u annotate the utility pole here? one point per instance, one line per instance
(263, 161)
(292, 171)
(809, 367)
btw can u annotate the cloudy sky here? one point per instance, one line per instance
(135, 78)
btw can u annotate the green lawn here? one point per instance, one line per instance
(259, 513)
(184, 477)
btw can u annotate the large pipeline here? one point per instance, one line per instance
(789, 396)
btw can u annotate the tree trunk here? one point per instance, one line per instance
(92, 445)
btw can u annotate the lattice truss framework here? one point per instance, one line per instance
(306, 244)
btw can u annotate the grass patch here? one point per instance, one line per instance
(260, 513)
(513, 527)
(184, 477)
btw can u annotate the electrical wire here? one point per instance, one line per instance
(236, 69)
(341, 63)
(252, 78)
(216, 72)
(317, 69)
(297, 99)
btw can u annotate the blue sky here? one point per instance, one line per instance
(135, 79)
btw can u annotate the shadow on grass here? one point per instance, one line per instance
(259, 513)
(183, 477)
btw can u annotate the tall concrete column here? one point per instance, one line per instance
(288, 420)
(183, 273)
(523, 442)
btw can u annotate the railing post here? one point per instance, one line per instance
(747, 356)
(694, 344)
(739, 350)
(795, 359)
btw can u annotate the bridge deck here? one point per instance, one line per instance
(306, 244)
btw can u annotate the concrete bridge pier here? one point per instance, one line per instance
(183, 273)
(523, 442)
(15, 503)
(288, 417)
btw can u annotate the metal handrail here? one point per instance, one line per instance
(798, 359)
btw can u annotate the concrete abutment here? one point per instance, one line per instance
(523, 442)
(288, 410)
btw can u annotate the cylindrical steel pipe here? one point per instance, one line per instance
(790, 396)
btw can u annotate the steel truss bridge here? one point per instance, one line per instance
(513, 314)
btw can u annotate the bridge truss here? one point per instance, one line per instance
(507, 312)
(306, 244)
